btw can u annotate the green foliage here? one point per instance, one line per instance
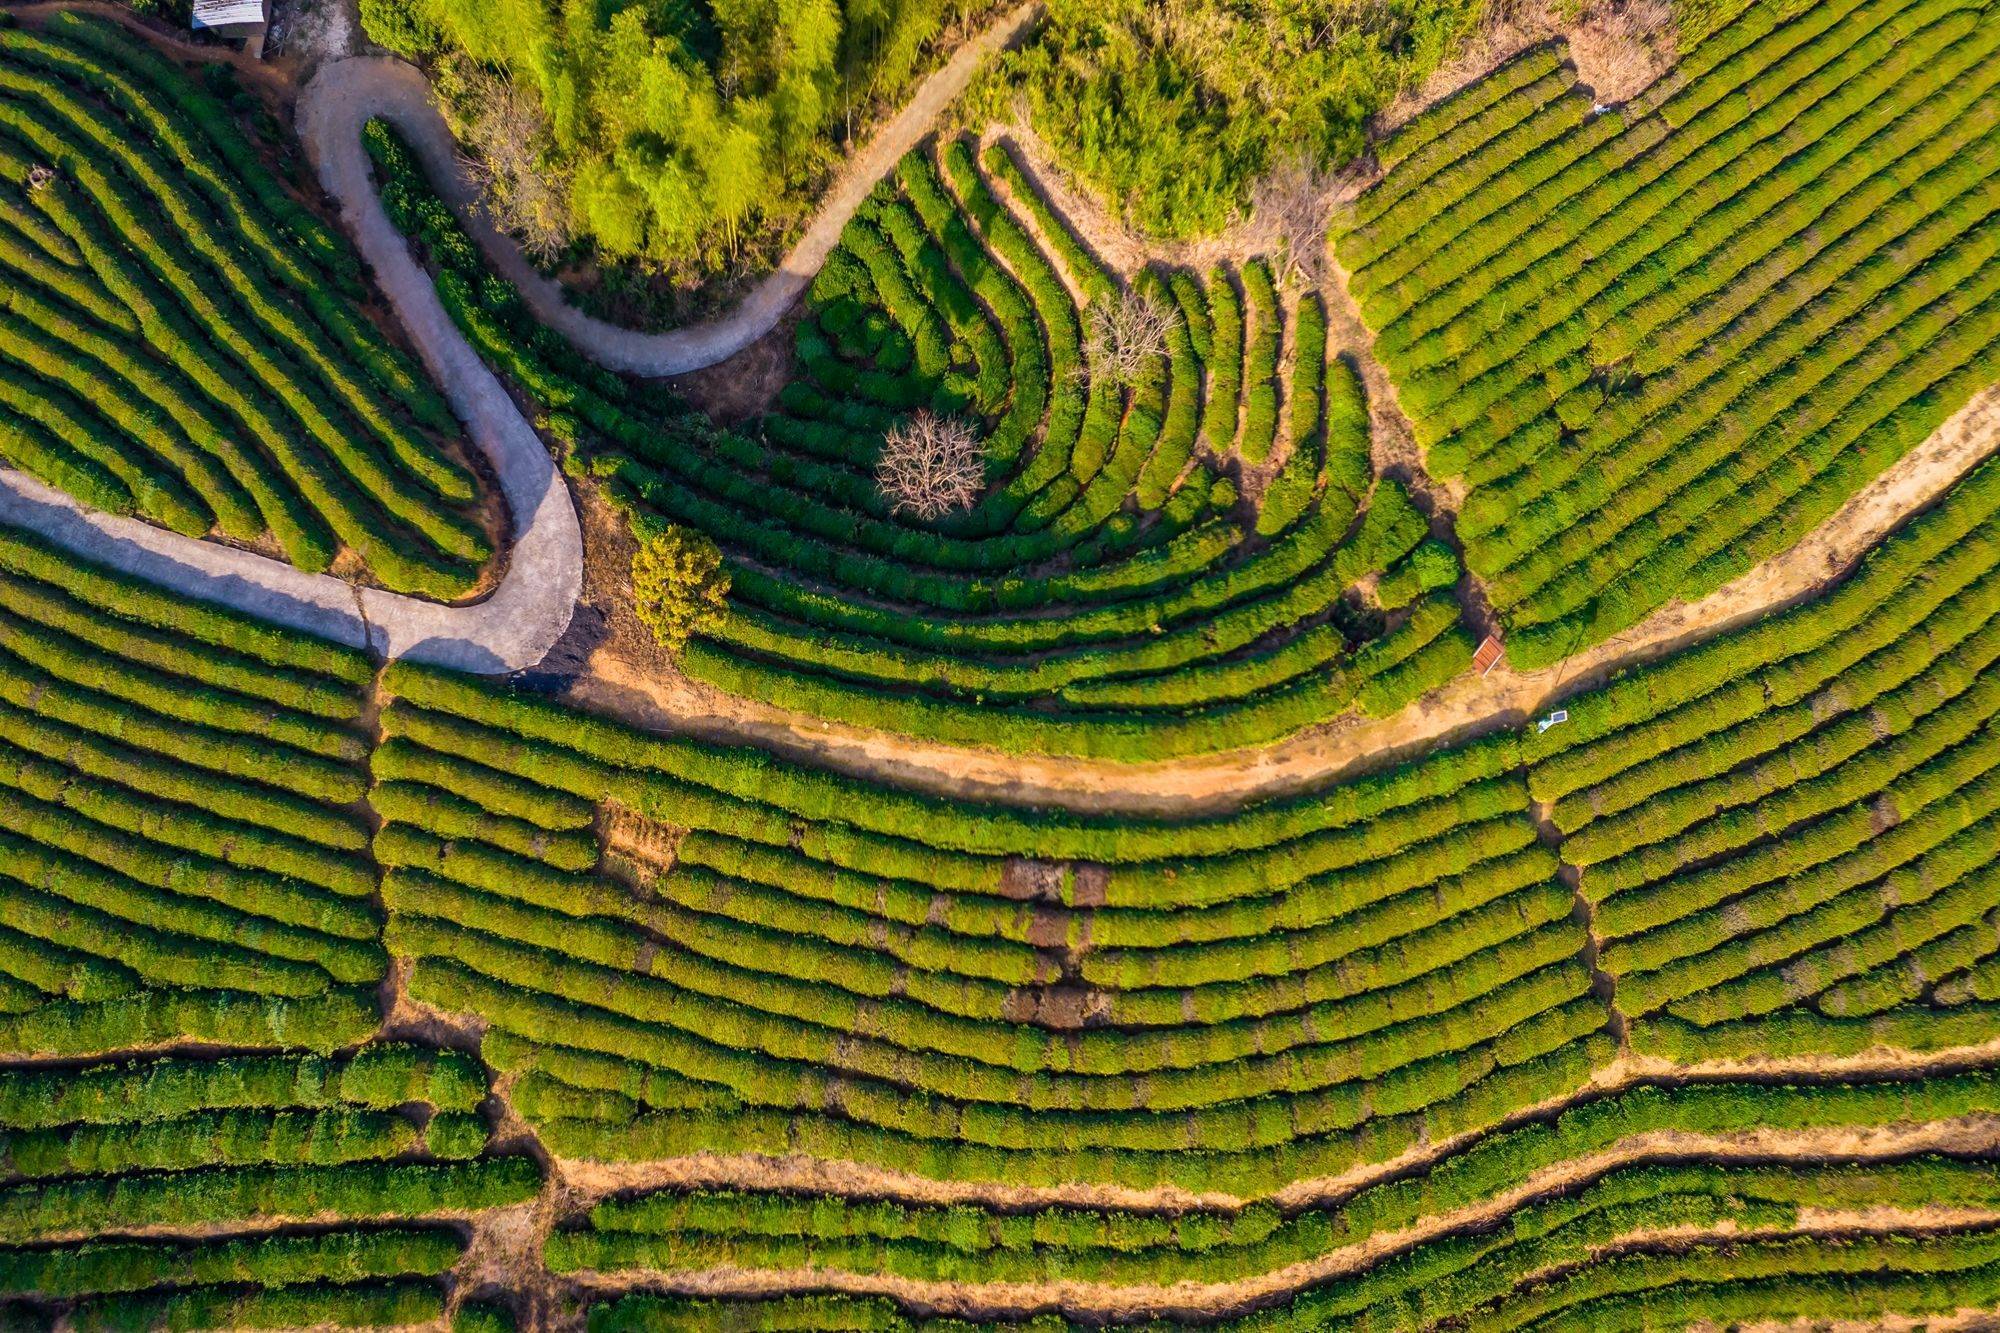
(1428, 981)
(220, 373)
(1434, 1280)
(679, 587)
(1053, 616)
(482, 1317)
(396, 1304)
(106, 1267)
(1432, 565)
(673, 131)
(411, 31)
(1623, 329)
(1175, 110)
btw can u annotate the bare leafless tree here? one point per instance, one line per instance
(1125, 335)
(504, 129)
(1621, 46)
(1293, 205)
(931, 465)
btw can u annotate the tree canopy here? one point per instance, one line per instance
(669, 125)
(1174, 108)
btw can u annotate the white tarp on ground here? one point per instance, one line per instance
(227, 13)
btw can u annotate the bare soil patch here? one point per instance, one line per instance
(1619, 48)
(747, 384)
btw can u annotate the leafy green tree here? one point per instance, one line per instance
(672, 127)
(1175, 108)
(679, 586)
(404, 28)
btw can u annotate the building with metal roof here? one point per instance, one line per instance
(243, 19)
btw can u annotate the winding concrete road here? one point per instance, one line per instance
(515, 626)
(511, 629)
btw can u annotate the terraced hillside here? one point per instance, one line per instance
(982, 994)
(809, 1052)
(200, 1126)
(336, 992)
(1252, 1010)
(1188, 553)
(218, 378)
(181, 816)
(1659, 343)
(168, 1192)
(1764, 1241)
(1788, 838)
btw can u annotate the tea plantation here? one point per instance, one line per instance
(1108, 591)
(1661, 343)
(672, 947)
(216, 378)
(342, 992)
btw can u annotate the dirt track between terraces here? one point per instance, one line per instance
(585, 1182)
(1469, 706)
(1207, 1300)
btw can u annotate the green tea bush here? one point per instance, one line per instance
(270, 402)
(1647, 414)
(1051, 616)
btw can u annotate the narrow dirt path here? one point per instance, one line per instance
(798, 1173)
(347, 92)
(1196, 1300)
(1467, 707)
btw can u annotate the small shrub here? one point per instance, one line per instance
(679, 586)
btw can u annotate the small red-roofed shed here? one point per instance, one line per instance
(1488, 656)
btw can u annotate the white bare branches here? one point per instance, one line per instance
(505, 130)
(1125, 335)
(931, 465)
(1293, 206)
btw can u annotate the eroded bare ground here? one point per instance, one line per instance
(748, 383)
(407, 1019)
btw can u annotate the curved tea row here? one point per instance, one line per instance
(214, 375)
(1661, 342)
(1113, 589)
